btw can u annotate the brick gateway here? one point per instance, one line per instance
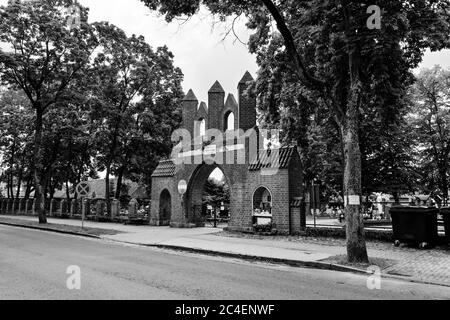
(256, 176)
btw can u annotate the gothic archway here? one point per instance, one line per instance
(229, 121)
(165, 208)
(198, 210)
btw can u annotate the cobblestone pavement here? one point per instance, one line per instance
(431, 265)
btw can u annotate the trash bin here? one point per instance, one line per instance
(416, 225)
(445, 212)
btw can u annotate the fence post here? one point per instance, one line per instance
(87, 207)
(20, 211)
(63, 208)
(72, 207)
(303, 215)
(35, 200)
(52, 206)
(115, 207)
(11, 206)
(27, 207)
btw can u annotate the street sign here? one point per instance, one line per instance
(83, 189)
(182, 187)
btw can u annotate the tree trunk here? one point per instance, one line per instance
(119, 182)
(356, 246)
(444, 183)
(28, 190)
(19, 183)
(37, 167)
(8, 192)
(11, 170)
(67, 191)
(396, 197)
(107, 189)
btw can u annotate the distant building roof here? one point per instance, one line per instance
(422, 197)
(139, 193)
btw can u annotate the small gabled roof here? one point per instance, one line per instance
(203, 107)
(165, 168)
(231, 101)
(281, 162)
(216, 88)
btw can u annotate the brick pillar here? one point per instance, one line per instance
(52, 207)
(216, 103)
(10, 206)
(63, 208)
(86, 207)
(132, 207)
(99, 208)
(73, 207)
(21, 205)
(14, 207)
(27, 206)
(34, 207)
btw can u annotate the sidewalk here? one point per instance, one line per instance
(430, 266)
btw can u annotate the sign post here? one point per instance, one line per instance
(182, 188)
(83, 189)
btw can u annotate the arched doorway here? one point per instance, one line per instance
(208, 197)
(229, 121)
(165, 208)
(200, 127)
(262, 201)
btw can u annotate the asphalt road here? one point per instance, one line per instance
(33, 265)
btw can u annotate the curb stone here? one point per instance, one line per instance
(73, 233)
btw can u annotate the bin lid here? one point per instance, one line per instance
(411, 209)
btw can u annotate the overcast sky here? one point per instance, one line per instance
(199, 48)
(198, 44)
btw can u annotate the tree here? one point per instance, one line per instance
(15, 139)
(430, 118)
(215, 193)
(332, 60)
(130, 72)
(46, 55)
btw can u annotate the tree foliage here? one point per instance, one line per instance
(90, 98)
(430, 120)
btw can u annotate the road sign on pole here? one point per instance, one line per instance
(83, 189)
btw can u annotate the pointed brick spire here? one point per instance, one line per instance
(246, 78)
(231, 101)
(190, 96)
(203, 106)
(216, 88)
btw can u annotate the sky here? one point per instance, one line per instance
(198, 45)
